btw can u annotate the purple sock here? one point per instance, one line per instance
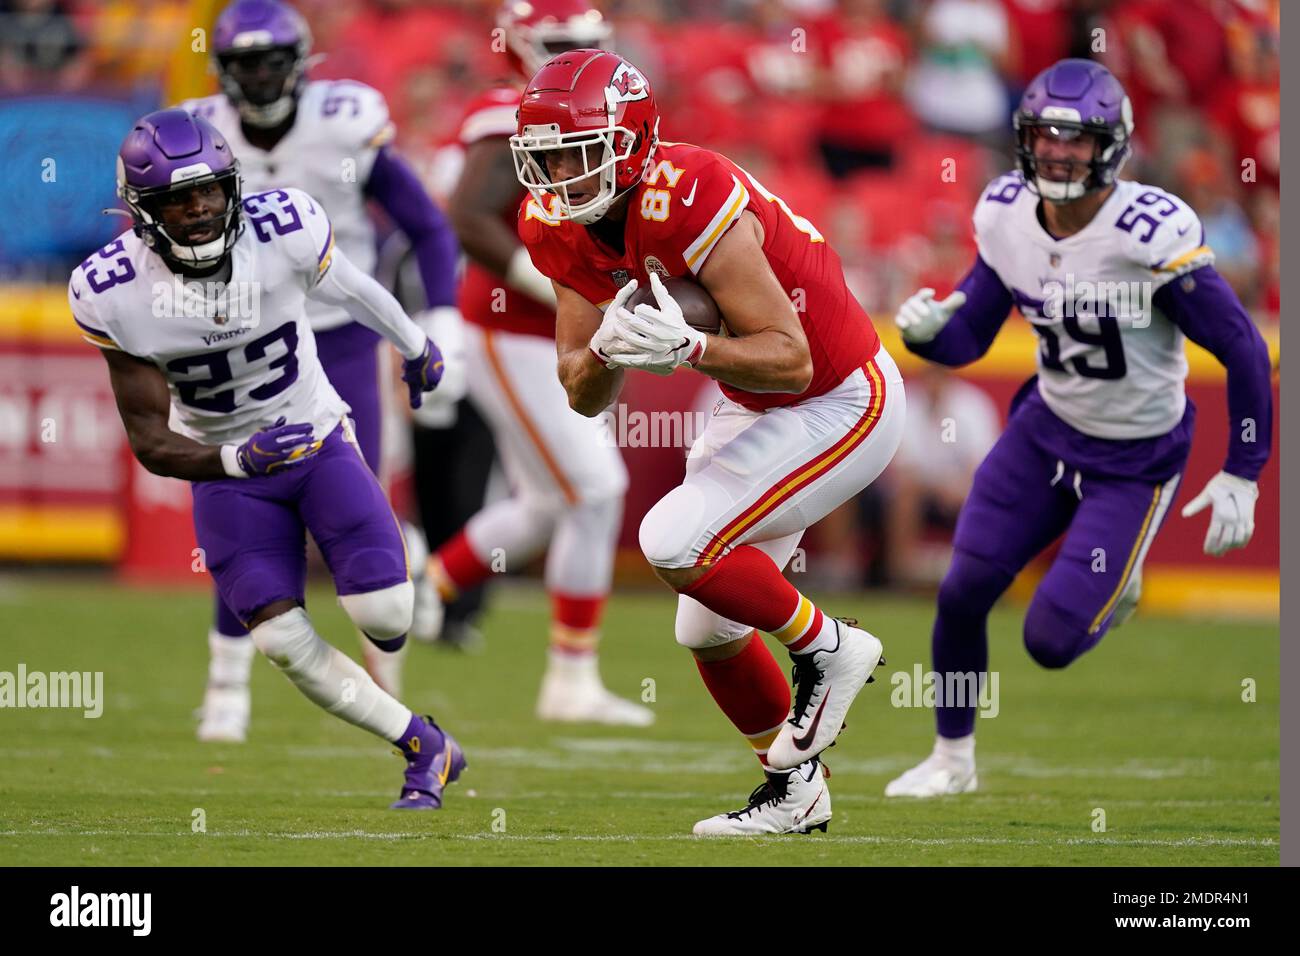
(421, 737)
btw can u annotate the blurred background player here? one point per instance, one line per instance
(452, 458)
(813, 411)
(566, 483)
(217, 382)
(332, 139)
(1098, 439)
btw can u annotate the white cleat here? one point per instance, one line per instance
(426, 620)
(793, 801)
(825, 684)
(224, 715)
(572, 692)
(937, 775)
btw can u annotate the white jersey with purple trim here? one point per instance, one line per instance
(1109, 363)
(239, 354)
(329, 153)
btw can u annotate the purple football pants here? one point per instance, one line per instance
(1043, 479)
(351, 362)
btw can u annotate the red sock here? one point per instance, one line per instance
(748, 587)
(574, 621)
(579, 613)
(751, 690)
(456, 567)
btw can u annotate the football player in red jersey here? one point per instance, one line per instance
(566, 484)
(813, 413)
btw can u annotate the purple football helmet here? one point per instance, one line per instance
(166, 154)
(260, 48)
(1069, 98)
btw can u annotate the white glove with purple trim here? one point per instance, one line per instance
(1232, 515)
(920, 318)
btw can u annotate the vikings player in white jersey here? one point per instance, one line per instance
(331, 139)
(1113, 276)
(199, 311)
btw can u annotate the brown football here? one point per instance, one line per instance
(698, 308)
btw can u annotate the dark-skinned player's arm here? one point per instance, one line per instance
(486, 193)
(144, 403)
(591, 386)
(767, 350)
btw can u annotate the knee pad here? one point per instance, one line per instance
(608, 479)
(581, 556)
(670, 529)
(520, 526)
(1054, 638)
(383, 615)
(697, 627)
(595, 519)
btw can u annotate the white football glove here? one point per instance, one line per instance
(658, 334)
(445, 325)
(920, 318)
(607, 343)
(1232, 518)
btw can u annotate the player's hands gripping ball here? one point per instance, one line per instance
(422, 373)
(660, 331)
(276, 447)
(606, 343)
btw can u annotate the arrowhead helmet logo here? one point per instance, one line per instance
(627, 84)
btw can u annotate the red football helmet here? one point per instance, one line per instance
(536, 30)
(579, 101)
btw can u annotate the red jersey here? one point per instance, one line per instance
(484, 298)
(675, 217)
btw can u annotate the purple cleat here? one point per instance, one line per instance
(433, 760)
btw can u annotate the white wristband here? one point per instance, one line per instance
(230, 461)
(523, 276)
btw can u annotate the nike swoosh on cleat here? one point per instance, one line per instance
(818, 799)
(803, 743)
(446, 767)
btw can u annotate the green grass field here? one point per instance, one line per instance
(1150, 727)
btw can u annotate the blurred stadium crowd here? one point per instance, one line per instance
(846, 108)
